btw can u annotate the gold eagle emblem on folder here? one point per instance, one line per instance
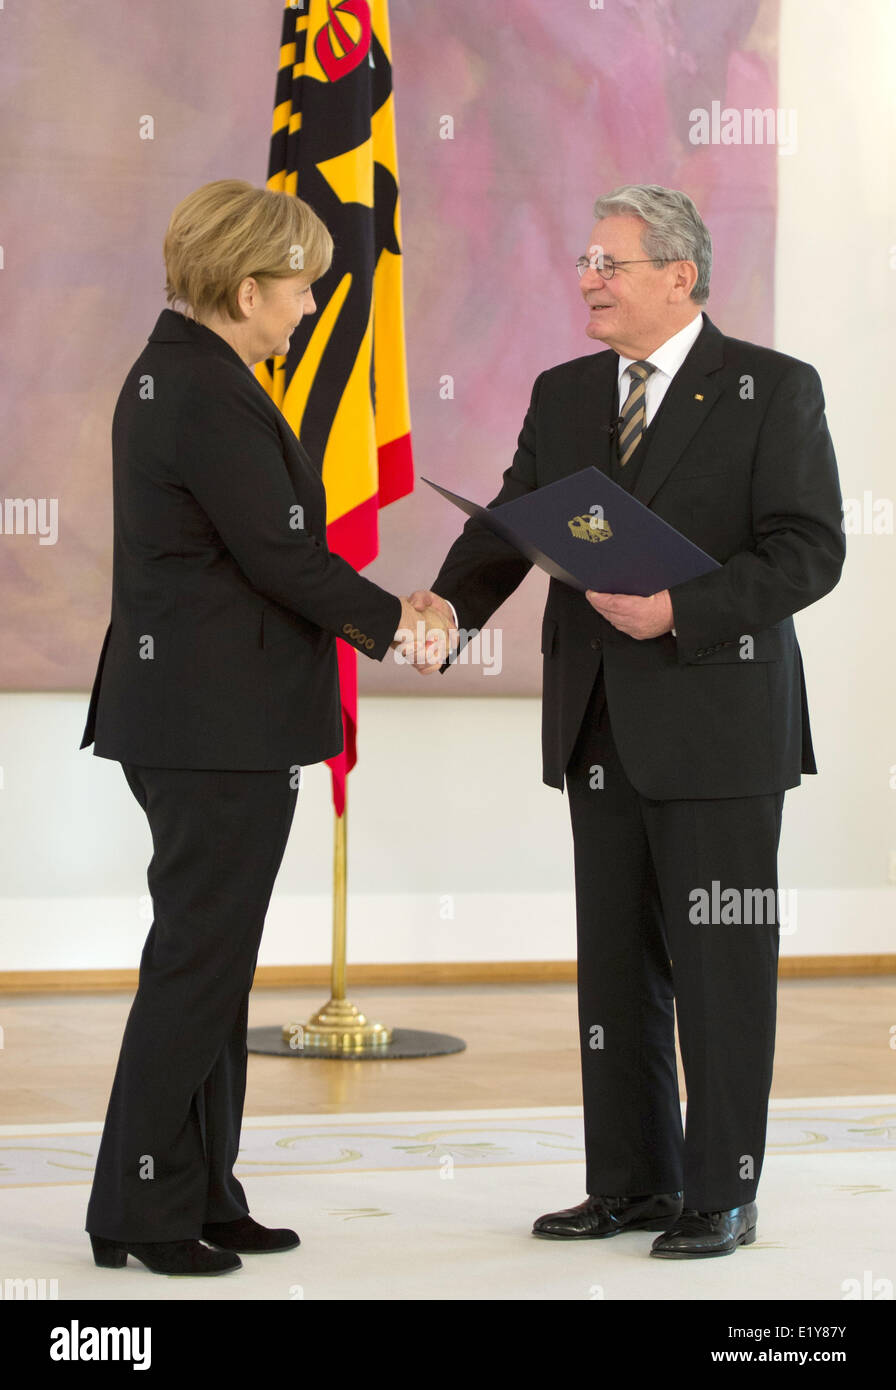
(590, 528)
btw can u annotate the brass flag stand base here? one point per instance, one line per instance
(339, 1029)
(340, 1025)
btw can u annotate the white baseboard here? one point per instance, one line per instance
(108, 933)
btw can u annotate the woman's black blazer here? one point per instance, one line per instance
(226, 603)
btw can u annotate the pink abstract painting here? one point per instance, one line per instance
(511, 119)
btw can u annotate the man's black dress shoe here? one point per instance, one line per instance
(246, 1236)
(697, 1234)
(164, 1256)
(598, 1217)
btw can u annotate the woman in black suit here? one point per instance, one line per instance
(217, 682)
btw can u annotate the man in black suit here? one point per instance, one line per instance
(676, 722)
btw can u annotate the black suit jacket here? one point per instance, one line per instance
(741, 462)
(226, 602)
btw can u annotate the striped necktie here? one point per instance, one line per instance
(631, 421)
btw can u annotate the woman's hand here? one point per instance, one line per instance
(425, 633)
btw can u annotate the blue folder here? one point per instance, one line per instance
(588, 532)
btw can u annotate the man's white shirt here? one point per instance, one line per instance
(667, 359)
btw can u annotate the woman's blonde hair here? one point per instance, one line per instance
(228, 230)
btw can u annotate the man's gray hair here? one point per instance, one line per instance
(674, 229)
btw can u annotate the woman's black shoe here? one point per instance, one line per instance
(247, 1236)
(164, 1256)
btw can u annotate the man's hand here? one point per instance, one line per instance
(639, 617)
(423, 636)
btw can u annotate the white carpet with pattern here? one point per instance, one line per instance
(440, 1206)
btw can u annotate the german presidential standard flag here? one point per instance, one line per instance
(343, 385)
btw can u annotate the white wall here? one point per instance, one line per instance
(447, 811)
(834, 306)
(447, 815)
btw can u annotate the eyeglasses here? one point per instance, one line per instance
(606, 266)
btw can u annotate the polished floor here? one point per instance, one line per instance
(59, 1052)
(420, 1179)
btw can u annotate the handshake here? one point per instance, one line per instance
(426, 633)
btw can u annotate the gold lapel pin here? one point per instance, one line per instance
(698, 398)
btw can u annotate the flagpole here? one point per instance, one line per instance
(315, 44)
(339, 1026)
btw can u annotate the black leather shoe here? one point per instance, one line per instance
(697, 1234)
(164, 1256)
(248, 1237)
(598, 1217)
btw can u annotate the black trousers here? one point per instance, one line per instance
(645, 951)
(173, 1122)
